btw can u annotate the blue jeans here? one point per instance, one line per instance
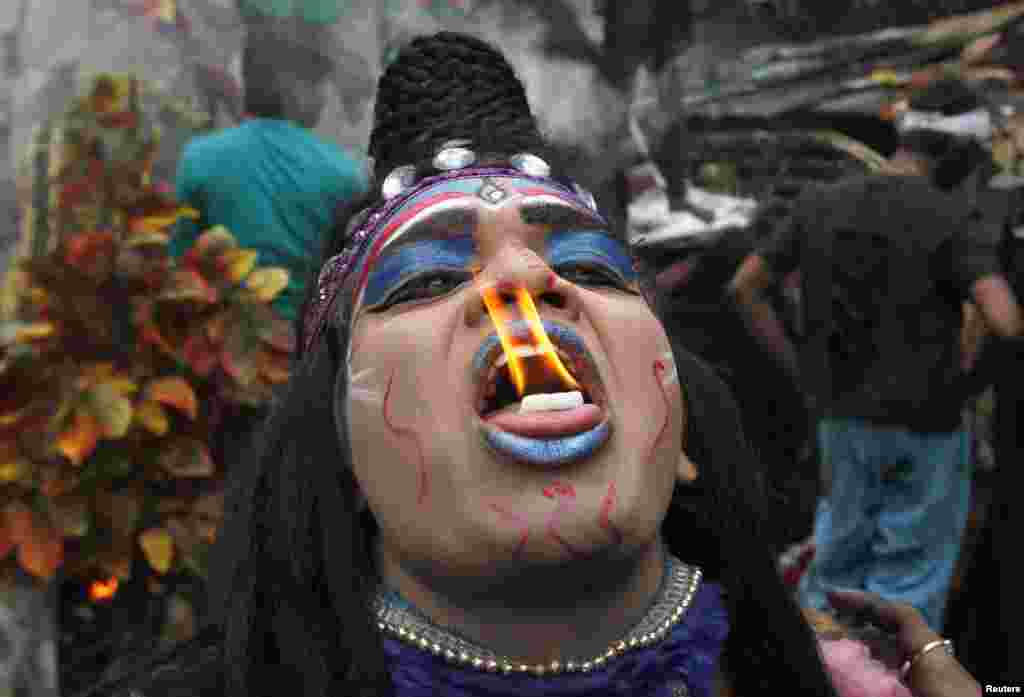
(894, 518)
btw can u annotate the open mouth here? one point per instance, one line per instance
(552, 419)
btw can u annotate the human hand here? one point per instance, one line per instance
(934, 674)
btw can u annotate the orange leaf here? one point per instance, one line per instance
(174, 392)
(158, 546)
(151, 335)
(237, 263)
(267, 283)
(15, 526)
(216, 327)
(274, 367)
(152, 417)
(41, 552)
(85, 247)
(79, 441)
(188, 284)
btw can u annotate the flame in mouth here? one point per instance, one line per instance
(540, 342)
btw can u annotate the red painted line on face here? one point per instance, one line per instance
(515, 518)
(564, 495)
(559, 489)
(422, 477)
(552, 281)
(607, 504)
(658, 369)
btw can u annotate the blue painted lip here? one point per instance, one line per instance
(543, 452)
(548, 452)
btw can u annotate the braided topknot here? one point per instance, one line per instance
(449, 86)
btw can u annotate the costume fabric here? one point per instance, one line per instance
(685, 663)
(276, 187)
(887, 262)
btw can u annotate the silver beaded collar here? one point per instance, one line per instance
(406, 624)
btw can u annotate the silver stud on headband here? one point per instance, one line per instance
(530, 165)
(400, 179)
(586, 197)
(454, 155)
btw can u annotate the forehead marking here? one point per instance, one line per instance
(492, 192)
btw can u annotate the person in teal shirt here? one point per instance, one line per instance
(272, 182)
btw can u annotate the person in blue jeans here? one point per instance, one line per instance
(887, 263)
(271, 181)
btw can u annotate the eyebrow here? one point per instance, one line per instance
(560, 215)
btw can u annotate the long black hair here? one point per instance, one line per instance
(295, 572)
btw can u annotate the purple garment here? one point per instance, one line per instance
(688, 659)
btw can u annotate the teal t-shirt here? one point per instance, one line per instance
(316, 11)
(276, 187)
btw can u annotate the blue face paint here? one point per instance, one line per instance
(597, 250)
(388, 274)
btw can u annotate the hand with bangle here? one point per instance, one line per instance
(928, 667)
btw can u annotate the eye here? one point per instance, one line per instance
(425, 287)
(591, 275)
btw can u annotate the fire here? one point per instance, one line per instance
(501, 317)
(103, 590)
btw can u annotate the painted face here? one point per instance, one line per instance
(458, 479)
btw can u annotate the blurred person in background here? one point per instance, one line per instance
(272, 182)
(887, 264)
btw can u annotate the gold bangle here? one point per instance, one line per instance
(909, 664)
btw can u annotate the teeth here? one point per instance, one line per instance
(557, 401)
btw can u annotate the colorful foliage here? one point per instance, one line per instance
(119, 360)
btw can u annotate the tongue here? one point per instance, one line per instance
(546, 424)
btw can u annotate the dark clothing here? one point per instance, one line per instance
(774, 415)
(987, 613)
(887, 262)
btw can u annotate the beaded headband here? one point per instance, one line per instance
(456, 162)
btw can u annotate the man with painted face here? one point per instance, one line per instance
(482, 478)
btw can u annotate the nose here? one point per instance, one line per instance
(515, 267)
